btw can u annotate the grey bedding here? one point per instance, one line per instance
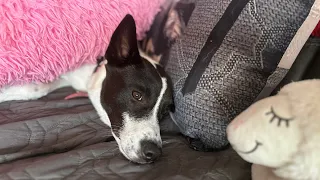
(52, 138)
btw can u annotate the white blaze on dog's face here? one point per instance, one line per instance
(131, 94)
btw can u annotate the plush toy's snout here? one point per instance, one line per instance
(237, 123)
(281, 133)
(263, 130)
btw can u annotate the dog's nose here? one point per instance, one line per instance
(150, 151)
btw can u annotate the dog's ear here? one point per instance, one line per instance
(167, 27)
(123, 47)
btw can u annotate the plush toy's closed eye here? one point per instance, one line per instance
(280, 119)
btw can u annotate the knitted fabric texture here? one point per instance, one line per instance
(42, 39)
(238, 70)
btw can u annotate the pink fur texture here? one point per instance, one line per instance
(41, 39)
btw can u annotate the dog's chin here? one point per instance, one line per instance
(131, 159)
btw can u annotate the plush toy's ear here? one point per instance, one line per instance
(123, 47)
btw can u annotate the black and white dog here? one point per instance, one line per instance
(129, 90)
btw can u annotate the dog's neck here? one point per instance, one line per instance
(94, 88)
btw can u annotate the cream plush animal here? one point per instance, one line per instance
(280, 135)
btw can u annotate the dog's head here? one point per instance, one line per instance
(131, 93)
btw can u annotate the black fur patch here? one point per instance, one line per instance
(127, 71)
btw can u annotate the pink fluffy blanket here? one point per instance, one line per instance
(41, 39)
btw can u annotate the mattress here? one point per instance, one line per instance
(53, 138)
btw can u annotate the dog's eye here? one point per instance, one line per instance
(277, 117)
(137, 95)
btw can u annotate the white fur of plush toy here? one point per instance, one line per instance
(280, 135)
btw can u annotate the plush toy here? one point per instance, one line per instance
(280, 134)
(40, 40)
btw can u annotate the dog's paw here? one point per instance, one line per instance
(76, 95)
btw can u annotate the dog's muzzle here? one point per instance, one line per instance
(150, 151)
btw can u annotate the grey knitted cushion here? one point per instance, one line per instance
(223, 60)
